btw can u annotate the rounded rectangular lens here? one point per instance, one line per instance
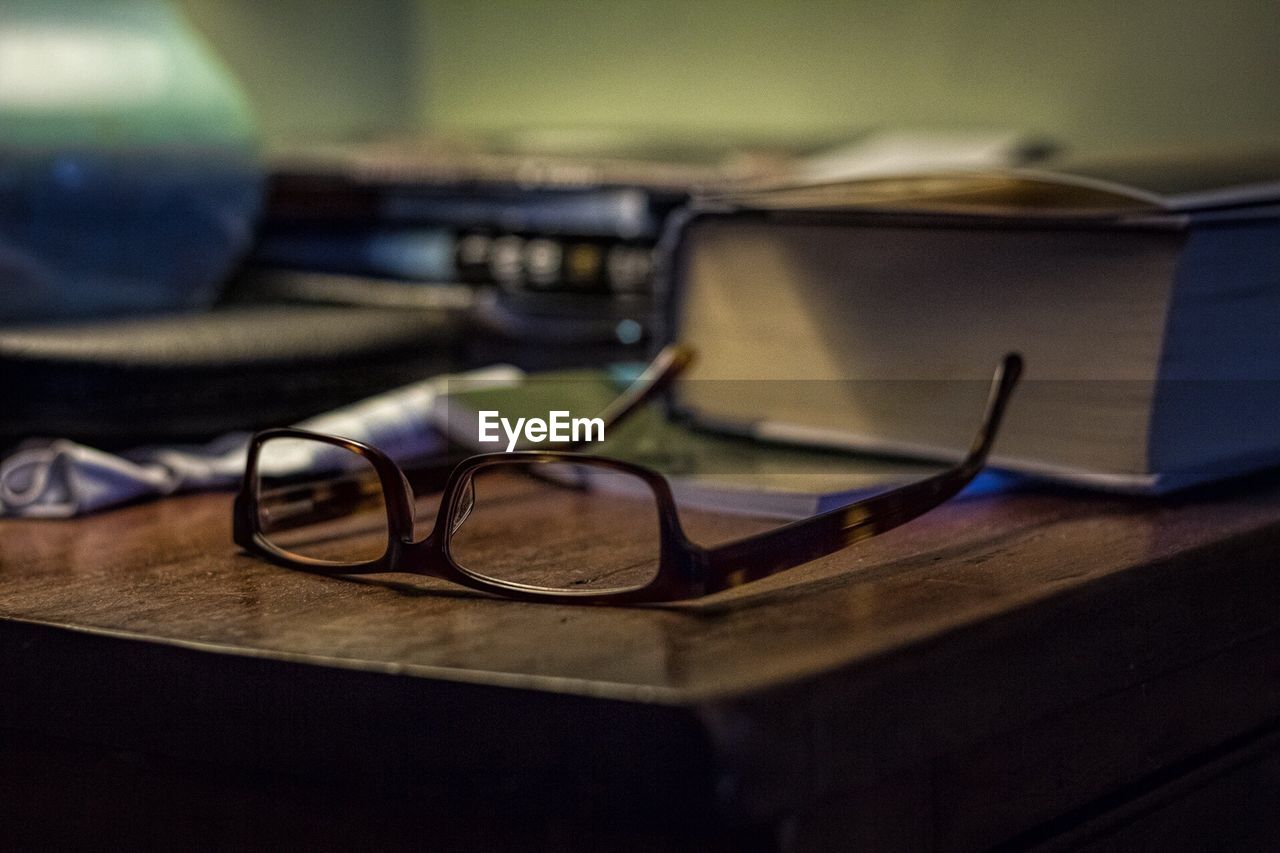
(320, 501)
(564, 527)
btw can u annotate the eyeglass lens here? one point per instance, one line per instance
(320, 501)
(569, 527)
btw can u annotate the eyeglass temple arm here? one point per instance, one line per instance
(764, 554)
(668, 364)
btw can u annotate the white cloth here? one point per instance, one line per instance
(61, 479)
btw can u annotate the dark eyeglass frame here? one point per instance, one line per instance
(685, 569)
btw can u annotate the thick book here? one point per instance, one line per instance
(869, 315)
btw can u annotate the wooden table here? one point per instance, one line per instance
(1035, 669)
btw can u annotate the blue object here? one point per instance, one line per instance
(426, 254)
(129, 177)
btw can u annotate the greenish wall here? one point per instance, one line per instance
(318, 69)
(1088, 71)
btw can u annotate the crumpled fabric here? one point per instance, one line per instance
(62, 479)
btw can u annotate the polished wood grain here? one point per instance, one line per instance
(168, 571)
(962, 681)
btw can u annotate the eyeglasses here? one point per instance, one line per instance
(546, 525)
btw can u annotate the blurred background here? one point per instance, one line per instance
(292, 205)
(1086, 72)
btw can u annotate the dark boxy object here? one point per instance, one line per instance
(190, 378)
